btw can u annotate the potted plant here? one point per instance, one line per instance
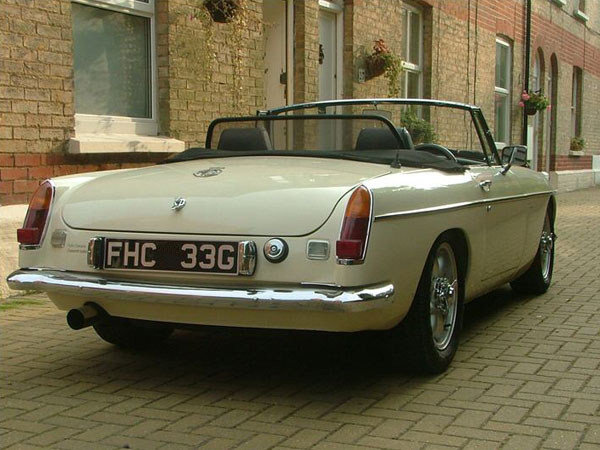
(384, 62)
(534, 102)
(420, 130)
(577, 146)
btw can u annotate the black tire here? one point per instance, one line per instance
(438, 301)
(128, 333)
(538, 277)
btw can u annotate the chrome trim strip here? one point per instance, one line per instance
(95, 253)
(458, 205)
(246, 258)
(316, 298)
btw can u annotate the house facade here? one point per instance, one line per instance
(90, 85)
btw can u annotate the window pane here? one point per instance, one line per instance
(501, 122)
(414, 55)
(112, 63)
(413, 85)
(501, 65)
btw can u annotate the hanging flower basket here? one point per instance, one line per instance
(530, 110)
(222, 11)
(534, 102)
(375, 65)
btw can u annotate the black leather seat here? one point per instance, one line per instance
(244, 139)
(383, 139)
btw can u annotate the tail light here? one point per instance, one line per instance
(352, 244)
(37, 215)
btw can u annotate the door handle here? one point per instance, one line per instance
(485, 185)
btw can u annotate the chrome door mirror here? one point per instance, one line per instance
(513, 154)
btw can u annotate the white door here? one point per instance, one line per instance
(327, 55)
(329, 52)
(274, 13)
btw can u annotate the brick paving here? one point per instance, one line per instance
(526, 377)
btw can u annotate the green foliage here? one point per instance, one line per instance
(577, 144)
(18, 302)
(384, 61)
(420, 130)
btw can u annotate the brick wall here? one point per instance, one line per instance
(36, 101)
(195, 89)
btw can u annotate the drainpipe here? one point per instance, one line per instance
(527, 64)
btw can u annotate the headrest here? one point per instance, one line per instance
(383, 139)
(244, 139)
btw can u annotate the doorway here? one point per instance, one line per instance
(277, 57)
(330, 67)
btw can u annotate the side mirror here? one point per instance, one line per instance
(513, 154)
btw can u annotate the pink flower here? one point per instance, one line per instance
(522, 105)
(525, 96)
(549, 107)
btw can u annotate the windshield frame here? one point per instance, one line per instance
(481, 126)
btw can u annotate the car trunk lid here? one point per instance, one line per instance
(284, 196)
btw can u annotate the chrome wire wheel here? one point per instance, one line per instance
(546, 247)
(443, 303)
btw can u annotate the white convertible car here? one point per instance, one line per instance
(375, 214)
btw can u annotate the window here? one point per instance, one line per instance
(412, 52)
(576, 102)
(114, 66)
(579, 12)
(502, 93)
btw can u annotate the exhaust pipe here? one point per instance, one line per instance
(87, 315)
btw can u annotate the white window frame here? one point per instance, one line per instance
(579, 11)
(504, 92)
(108, 124)
(411, 67)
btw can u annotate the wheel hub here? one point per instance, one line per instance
(547, 241)
(442, 291)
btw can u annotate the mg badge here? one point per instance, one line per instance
(212, 172)
(178, 204)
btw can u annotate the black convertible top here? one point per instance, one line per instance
(410, 158)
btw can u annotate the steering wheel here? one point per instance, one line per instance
(436, 149)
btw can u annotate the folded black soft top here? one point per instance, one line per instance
(410, 158)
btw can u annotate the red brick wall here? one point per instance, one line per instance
(22, 173)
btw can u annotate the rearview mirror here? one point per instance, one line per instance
(513, 154)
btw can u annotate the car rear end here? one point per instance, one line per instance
(97, 254)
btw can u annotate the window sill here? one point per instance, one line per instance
(581, 15)
(576, 153)
(560, 2)
(123, 143)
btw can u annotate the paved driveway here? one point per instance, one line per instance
(526, 377)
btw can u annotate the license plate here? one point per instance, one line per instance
(171, 256)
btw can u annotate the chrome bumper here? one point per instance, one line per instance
(301, 298)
